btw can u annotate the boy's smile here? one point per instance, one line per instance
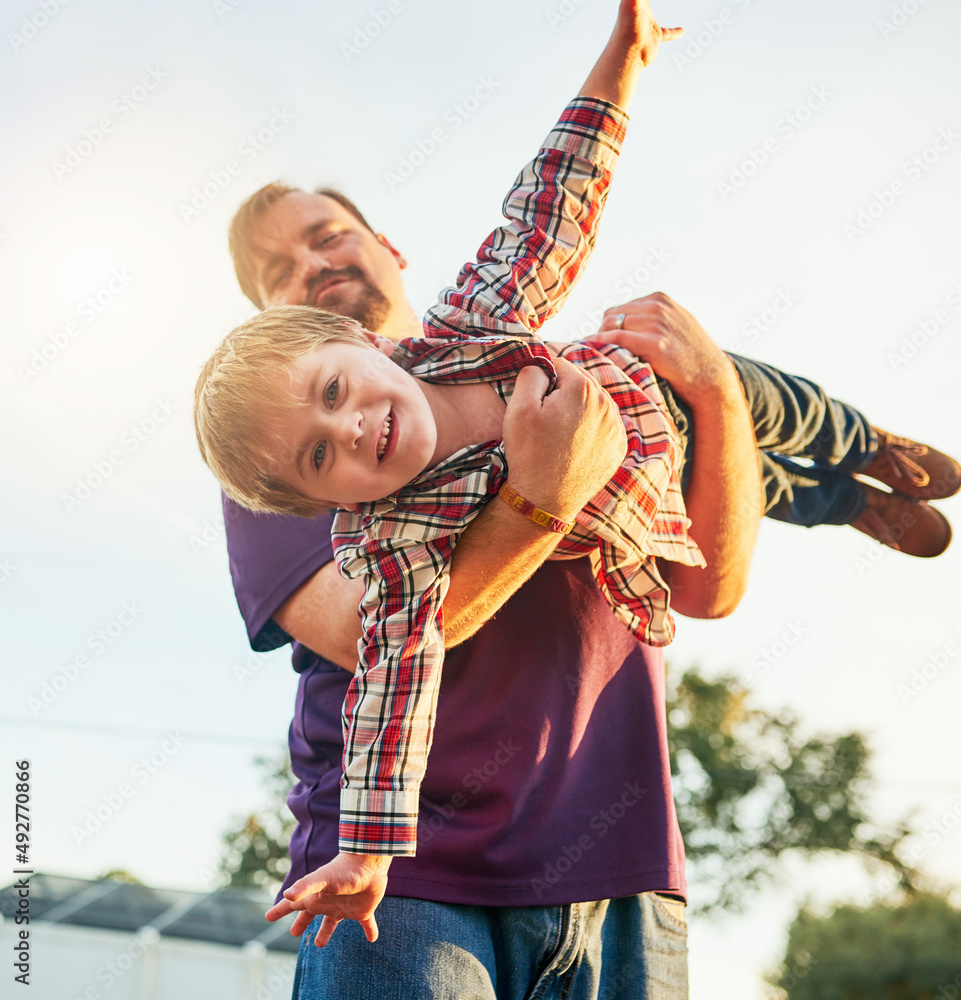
(363, 429)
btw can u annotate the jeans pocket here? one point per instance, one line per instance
(671, 907)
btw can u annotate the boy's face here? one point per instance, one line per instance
(315, 253)
(362, 430)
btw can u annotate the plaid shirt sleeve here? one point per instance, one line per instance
(522, 275)
(391, 703)
(525, 270)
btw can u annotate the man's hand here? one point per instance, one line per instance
(562, 447)
(672, 342)
(348, 888)
(723, 498)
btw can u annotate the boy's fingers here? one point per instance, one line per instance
(326, 932)
(279, 910)
(303, 920)
(306, 886)
(669, 34)
(370, 928)
(532, 383)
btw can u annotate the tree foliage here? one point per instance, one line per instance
(898, 951)
(750, 788)
(255, 852)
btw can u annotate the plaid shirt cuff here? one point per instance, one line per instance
(590, 129)
(373, 822)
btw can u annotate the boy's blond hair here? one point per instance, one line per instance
(246, 378)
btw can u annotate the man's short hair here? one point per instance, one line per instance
(242, 382)
(243, 226)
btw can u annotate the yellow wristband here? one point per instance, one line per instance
(513, 499)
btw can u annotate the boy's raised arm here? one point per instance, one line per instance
(508, 282)
(632, 46)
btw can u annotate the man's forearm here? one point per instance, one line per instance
(494, 557)
(497, 554)
(723, 501)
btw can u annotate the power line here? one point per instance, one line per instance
(135, 731)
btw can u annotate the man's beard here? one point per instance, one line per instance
(361, 300)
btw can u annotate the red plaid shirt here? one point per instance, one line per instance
(402, 546)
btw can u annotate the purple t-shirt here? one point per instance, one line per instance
(548, 780)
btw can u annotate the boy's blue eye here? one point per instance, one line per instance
(330, 393)
(318, 456)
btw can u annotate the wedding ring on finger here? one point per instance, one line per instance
(619, 321)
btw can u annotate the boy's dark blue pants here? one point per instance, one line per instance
(794, 419)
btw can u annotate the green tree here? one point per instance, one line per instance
(255, 852)
(749, 788)
(909, 950)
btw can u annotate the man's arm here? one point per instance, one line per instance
(723, 498)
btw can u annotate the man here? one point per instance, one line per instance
(548, 854)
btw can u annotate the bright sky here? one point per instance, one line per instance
(791, 176)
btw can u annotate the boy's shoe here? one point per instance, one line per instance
(915, 470)
(909, 526)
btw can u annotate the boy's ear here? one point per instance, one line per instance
(383, 344)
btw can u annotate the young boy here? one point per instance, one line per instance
(300, 410)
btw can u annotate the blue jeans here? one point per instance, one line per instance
(633, 948)
(794, 418)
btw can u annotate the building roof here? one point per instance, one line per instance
(227, 916)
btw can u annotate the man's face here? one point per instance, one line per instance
(314, 252)
(360, 429)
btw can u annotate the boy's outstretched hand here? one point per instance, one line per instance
(632, 46)
(639, 28)
(348, 888)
